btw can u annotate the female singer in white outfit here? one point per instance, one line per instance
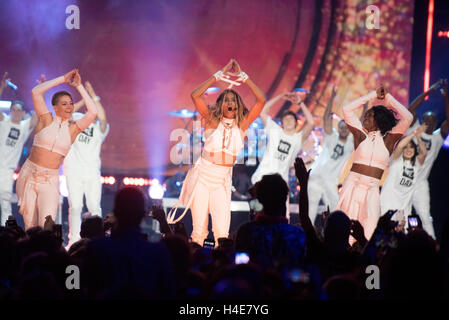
(207, 186)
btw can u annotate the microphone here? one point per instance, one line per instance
(12, 85)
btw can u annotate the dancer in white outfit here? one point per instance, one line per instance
(405, 166)
(14, 132)
(82, 167)
(207, 186)
(433, 140)
(284, 142)
(337, 148)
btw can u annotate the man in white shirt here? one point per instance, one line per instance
(82, 168)
(337, 147)
(284, 142)
(433, 139)
(14, 132)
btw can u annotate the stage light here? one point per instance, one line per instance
(156, 190)
(15, 175)
(5, 105)
(63, 186)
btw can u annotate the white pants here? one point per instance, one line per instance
(79, 186)
(6, 183)
(421, 202)
(37, 193)
(319, 188)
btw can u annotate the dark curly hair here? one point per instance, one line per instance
(385, 118)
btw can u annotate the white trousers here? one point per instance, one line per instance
(207, 189)
(38, 193)
(79, 186)
(320, 188)
(6, 183)
(421, 202)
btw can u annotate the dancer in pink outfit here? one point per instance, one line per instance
(374, 142)
(38, 181)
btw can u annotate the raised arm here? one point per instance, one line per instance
(327, 116)
(270, 103)
(39, 91)
(101, 112)
(419, 99)
(260, 97)
(197, 93)
(2, 87)
(445, 125)
(403, 142)
(78, 105)
(405, 116)
(421, 146)
(310, 122)
(92, 112)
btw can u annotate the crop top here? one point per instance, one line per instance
(372, 150)
(225, 139)
(55, 137)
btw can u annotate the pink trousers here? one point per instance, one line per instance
(38, 193)
(360, 200)
(207, 189)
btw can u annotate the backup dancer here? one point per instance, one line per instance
(207, 186)
(82, 167)
(38, 181)
(374, 142)
(326, 169)
(14, 132)
(284, 142)
(433, 139)
(406, 163)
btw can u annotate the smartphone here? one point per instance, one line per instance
(413, 222)
(209, 243)
(241, 258)
(11, 222)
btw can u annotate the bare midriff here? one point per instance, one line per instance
(367, 170)
(46, 158)
(219, 158)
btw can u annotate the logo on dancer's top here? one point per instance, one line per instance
(338, 152)
(14, 134)
(408, 173)
(284, 147)
(86, 135)
(427, 143)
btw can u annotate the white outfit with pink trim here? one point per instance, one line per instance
(207, 186)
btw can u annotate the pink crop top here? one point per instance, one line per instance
(372, 151)
(228, 140)
(55, 137)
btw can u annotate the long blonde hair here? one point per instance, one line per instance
(217, 110)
